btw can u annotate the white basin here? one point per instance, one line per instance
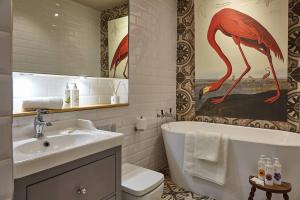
(51, 143)
(65, 141)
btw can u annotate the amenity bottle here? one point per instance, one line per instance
(269, 173)
(277, 172)
(67, 99)
(261, 168)
(75, 96)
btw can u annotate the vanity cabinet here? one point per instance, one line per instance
(96, 177)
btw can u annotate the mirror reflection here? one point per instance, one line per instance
(71, 37)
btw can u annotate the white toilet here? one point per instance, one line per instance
(139, 183)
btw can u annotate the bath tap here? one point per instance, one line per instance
(166, 114)
(170, 114)
(39, 123)
(161, 115)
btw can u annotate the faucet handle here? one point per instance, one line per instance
(40, 112)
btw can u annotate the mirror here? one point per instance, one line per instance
(60, 45)
(86, 38)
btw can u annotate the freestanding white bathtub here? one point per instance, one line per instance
(245, 147)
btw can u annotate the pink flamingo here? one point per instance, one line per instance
(120, 54)
(247, 31)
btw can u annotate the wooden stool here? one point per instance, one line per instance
(284, 189)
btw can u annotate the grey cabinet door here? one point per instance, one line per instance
(96, 180)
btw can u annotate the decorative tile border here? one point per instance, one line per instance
(185, 60)
(186, 72)
(107, 15)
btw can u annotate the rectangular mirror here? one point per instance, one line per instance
(70, 42)
(71, 37)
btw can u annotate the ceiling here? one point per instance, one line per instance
(101, 4)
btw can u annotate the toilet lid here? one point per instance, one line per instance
(139, 181)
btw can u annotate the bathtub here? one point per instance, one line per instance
(245, 147)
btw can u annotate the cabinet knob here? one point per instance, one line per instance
(82, 191)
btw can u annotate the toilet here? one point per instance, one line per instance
(139, 183)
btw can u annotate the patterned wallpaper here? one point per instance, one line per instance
(107, 15)
(186, 72)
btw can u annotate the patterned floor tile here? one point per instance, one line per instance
(174, 192)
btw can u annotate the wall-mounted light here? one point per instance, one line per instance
(56, 14)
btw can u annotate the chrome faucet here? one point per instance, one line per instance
(39, 123)
(164, 114)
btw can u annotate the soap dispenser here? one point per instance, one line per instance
(67, 98)
(75, 96)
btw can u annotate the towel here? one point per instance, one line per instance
(258, 181)
(207, 170)
(207, 145)
(42, 103)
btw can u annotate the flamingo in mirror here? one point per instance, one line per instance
(120, 54)
(244, 30)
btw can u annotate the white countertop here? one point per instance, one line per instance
(69, 141)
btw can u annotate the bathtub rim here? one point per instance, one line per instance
(282, 143)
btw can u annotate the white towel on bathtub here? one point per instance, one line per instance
(211, 171)
(207, 145)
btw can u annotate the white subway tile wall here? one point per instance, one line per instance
(5, 93)
(5, 138)
(5, 52)
(152, 84)
(91, 90)
(6, 181)
(5, 16)
(6, 171)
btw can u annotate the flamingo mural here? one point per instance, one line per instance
(244, 30)
(120, 54)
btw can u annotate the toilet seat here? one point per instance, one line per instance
(139, 181)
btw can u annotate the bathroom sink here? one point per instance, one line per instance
(65, 141)
(52, 143)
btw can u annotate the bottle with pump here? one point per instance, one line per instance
(75, 96)
(269, 173)
(261, 168)
(67, 99)
(277, 172)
